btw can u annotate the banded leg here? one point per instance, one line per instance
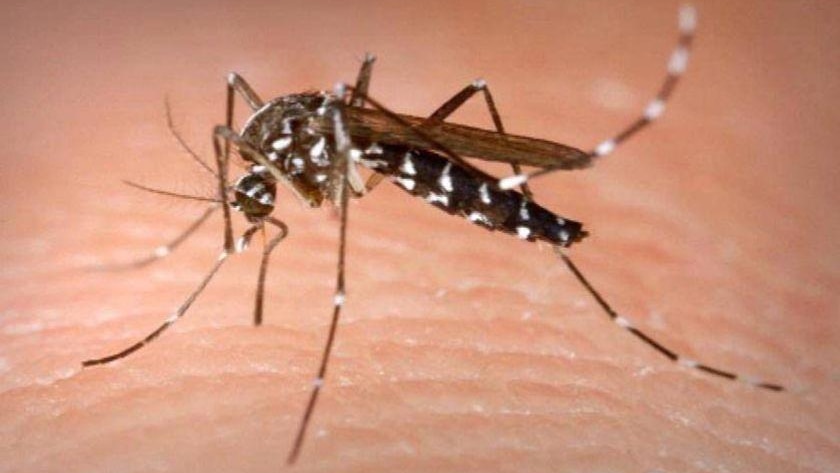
(459, 99)
(167, 323)
(164, 250)
(221, 163)
(676, 67)
(668, 353)
(258, 304)
(342, 144)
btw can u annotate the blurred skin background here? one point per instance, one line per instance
(460, 349)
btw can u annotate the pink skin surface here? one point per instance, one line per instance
(460, 350)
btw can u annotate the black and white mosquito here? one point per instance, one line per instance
(313, 144)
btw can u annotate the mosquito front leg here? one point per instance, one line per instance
(222, 134)
(459, 99)
(668, 353)
(344, 161)
(258, 304)
(676, 67)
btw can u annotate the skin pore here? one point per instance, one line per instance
(459, 349)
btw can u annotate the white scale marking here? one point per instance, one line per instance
(654, 109)
(512, 181)
(339, 299)
(254, 190)
(484, 194)
(678, 62)
(622, 322)
(432, 198)
(749, 380)
(523, 211)
(523, 232)
(298, 162)
(407, 165)
(605, 148)
(282, 143)
(687, 362)
(564, 235)
(688, 19)
(372, 163)
(374, 148)
(445, 179)
(266, 199)
(478, 217)
(320, 177)
(258, 168)
(318, 148)
(356, 154)
(407, 183)
(241, 245)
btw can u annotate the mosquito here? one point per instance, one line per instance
(314, 143)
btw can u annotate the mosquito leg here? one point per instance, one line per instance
(284, 231)
(668, 353)
(342, 142)
(235, 84)
(373, 181)
(222, 166)
(164, 250)
(676, 67)
(171, 320)
(459, 99)
(362, 81)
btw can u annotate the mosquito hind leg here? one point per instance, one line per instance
(360, 91)
(453, 104)
(677, 65)
(667, 352)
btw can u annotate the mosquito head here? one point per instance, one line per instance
(254, 194)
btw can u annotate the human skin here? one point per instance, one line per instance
(459, 349)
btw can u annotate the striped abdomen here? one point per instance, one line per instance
(451, 188)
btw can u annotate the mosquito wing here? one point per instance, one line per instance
(374, 126)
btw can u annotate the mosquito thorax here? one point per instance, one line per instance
(283, 131)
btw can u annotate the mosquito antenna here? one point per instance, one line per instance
(169, 193)
(677, 65)
(171, 125)
(668, 353)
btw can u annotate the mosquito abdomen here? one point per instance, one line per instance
(456, 191)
